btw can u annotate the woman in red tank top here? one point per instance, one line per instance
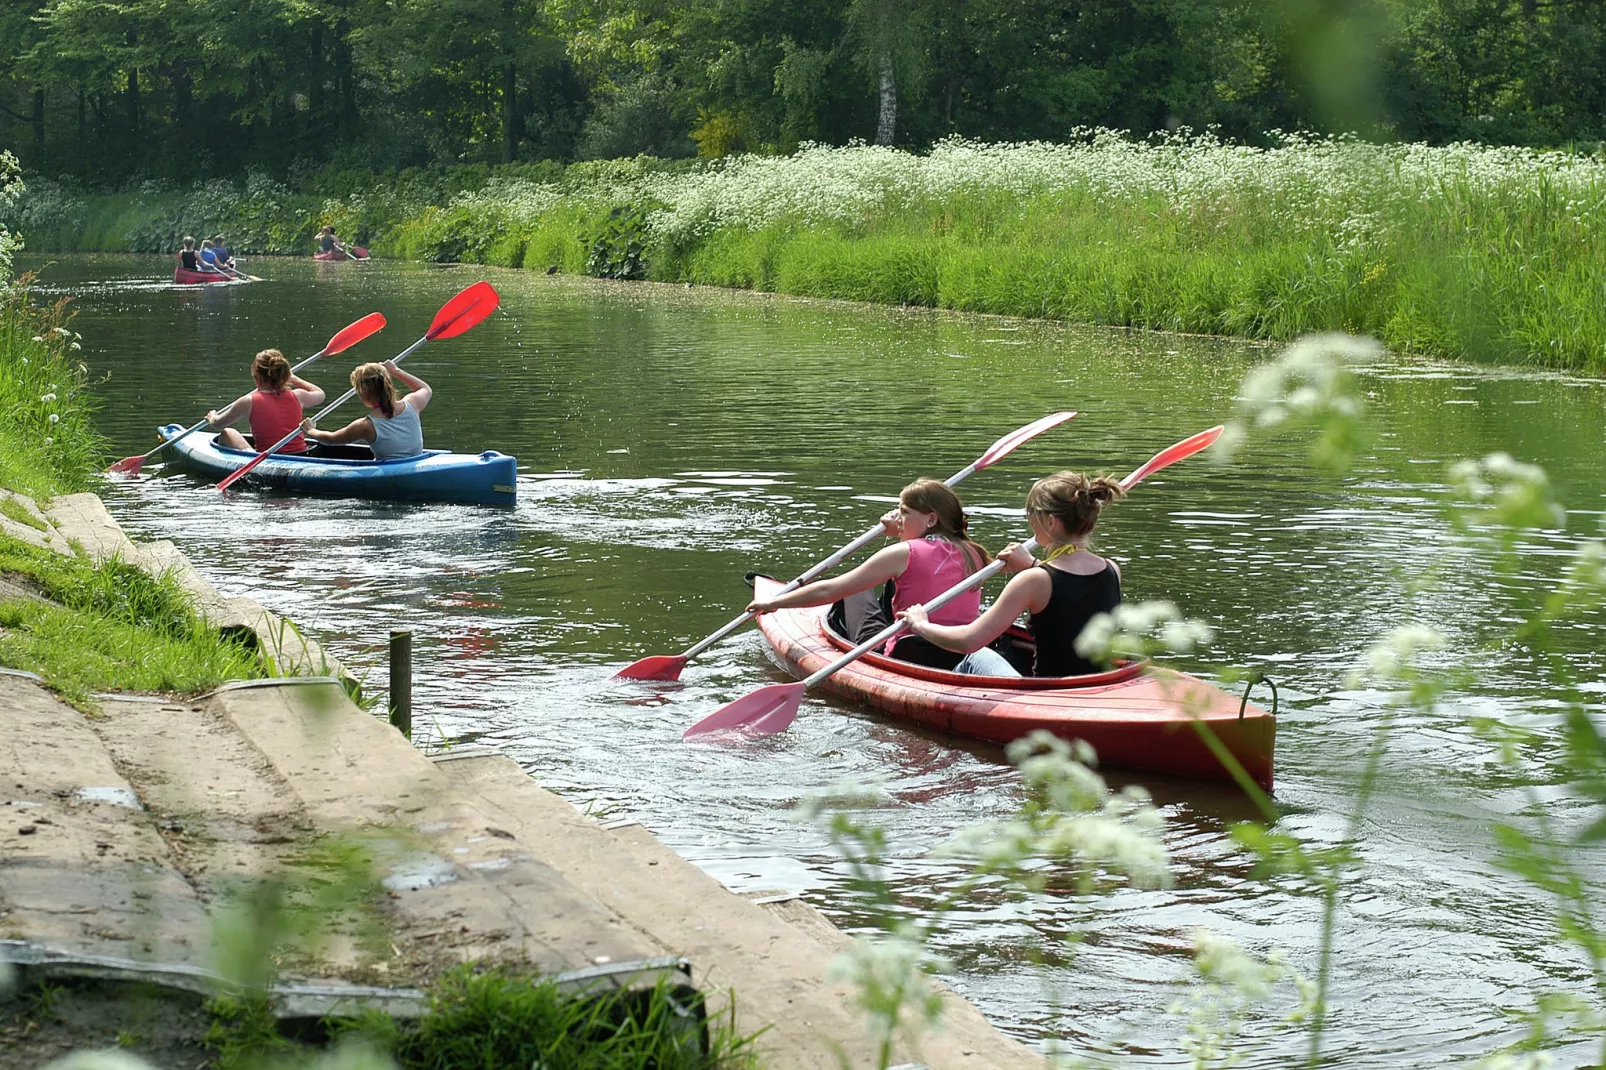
(933, 554)
(273, 408)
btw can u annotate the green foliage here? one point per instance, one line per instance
(117, 628)
(619, 247)
(504, 1018)
(48, 441)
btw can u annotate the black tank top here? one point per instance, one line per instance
(187, 259)
(1075, 601)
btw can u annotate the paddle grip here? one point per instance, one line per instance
(975, 579)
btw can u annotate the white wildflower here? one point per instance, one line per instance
(55, 418)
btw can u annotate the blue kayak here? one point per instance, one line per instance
(488, 478)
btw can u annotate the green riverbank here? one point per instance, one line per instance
(1471, 252)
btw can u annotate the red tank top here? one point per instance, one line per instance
(275, 415)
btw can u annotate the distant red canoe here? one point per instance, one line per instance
(358, 253)
(188, 277)
(1138, 716)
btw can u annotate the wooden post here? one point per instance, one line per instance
(401, 681)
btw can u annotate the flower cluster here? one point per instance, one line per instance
(1139, 630)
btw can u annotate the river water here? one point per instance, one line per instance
(670, 439)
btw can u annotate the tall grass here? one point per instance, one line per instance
(110, 626)
(48, 441)
(1462, 251)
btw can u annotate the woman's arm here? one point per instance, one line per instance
(888, 563)
(309, 394)
(237, 411)
(361, 430)
(419, 391)
(1028, 591)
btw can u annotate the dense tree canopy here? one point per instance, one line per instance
(117, 89)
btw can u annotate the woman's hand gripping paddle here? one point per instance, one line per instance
(772, 709)
(461, 313)
(667, 666)
(348, 337)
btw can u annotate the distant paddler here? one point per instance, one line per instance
(331, 248)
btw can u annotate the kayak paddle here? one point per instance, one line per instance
(458, 315)
(771, 709)
(347, 337)
(668, 666)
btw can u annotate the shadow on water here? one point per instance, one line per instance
(669, 441)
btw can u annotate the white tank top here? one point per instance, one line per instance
(400, 436)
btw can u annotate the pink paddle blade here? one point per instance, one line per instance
(129, 465)
(759, 713)
(353, 333)
(656, 667)
(464, 311)
(998, 450)
(1172, 454)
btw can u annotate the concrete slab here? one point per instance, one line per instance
(81, 866)
(776, 969)
(83, 519)
(462, 888)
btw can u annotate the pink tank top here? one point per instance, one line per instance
(275, 415)
(935, 564)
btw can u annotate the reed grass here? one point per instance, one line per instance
(109, 627)
(1462, 251)
(48, 441)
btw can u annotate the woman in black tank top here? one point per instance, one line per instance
(186, 256)
(1062, 593)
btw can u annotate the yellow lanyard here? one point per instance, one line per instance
(1060, 551)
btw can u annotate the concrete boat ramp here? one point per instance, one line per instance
(130, 837)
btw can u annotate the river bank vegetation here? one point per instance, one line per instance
(177, 92)
(1457, 251)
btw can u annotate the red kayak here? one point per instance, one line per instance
(1138, 716)
(187, 277)
(357, 253)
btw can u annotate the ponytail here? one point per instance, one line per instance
(1074, 498)
(375, 388)
(271, 369)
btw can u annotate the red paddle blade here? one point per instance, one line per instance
(657, 667)
(1172, 454)
(239, 473)
(129, 465)
(464, 311)
(761, 713)
(350, 335)
(998, 450)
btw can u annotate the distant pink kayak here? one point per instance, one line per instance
(358, 253)
(187, 277)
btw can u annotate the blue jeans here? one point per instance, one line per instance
(985, 662)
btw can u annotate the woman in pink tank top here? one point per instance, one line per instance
(273, 408)
(933, 554)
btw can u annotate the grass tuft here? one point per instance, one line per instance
(110, 627)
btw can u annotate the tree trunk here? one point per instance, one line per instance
(347, 117)
(39, 117)
(81, 116)
(887, 123)
(315, 101)
(183, 97)
(132, 96)
(510, 113)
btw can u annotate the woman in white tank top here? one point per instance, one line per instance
(391, 428)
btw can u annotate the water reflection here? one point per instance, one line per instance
(669, 441)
